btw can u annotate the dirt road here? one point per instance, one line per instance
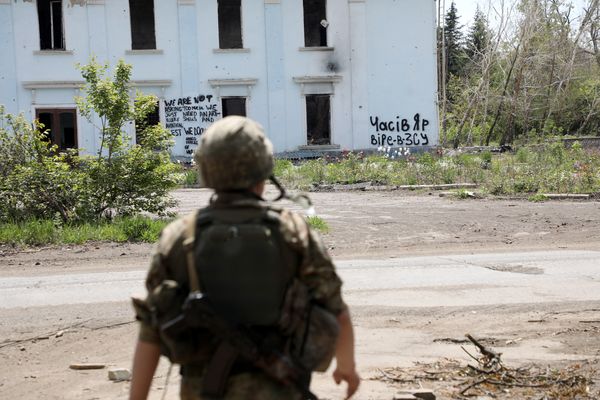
(38, 342)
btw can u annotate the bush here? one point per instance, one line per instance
(39, 182)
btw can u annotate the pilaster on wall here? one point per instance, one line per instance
(8, 72)
(275, 73)
(188, 46)
(97, 30)
(359, 68)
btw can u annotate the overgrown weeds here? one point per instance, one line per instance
(546, 169)
(36, 232)
(318, 223)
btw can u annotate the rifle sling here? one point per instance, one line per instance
(218, 371)
(188, 245)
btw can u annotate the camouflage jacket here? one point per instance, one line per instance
(316, 269)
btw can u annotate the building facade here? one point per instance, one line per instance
(317, 74)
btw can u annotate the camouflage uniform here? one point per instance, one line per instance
(316, 271)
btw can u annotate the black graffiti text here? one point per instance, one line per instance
(400, 124)
(194, 131)
(403, 139)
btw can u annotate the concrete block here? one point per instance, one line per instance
(404, 396)
(119, 374)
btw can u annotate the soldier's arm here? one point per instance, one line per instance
(344, 355)
(318, 273)
(147, 350)
(145, 361)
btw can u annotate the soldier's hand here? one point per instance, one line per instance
(350, 376)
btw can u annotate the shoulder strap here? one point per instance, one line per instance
(188, 246)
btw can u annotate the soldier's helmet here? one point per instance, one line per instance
(234, 153)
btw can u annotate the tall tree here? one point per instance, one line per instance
(454, 41)
(478, 38)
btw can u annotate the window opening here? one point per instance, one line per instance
(141, 13)
(151, 119)
(51, 24)
(230, 24)
(233, 106)
(318, 119)
(315, 23)
(46, 118)
(60, 126)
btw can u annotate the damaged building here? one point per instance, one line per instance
(319, 75)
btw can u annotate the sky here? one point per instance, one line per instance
(466, 8)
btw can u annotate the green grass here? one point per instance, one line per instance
(463, 194)
(538, 198)
(551, 168)
(318, 224)
(43, 232)
(190, 177)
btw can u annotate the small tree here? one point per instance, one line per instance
(124, 178)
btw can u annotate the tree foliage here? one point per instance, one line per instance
(533, 74)
(454, 43)
(39, 181)
(478, 39)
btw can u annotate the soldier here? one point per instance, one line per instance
(273, 294)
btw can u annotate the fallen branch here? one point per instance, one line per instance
(43, 336)
(484, 350)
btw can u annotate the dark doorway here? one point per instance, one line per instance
(318, 119)
(152, 119)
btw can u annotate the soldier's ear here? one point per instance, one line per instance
(258, 188)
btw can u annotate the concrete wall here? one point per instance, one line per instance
(379, 67)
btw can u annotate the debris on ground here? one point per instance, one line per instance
(85, 366)
(491, 378)
(415, 394)
(119, 374)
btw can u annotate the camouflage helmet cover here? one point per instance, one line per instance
(234, 153)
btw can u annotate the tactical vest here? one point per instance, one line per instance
(237, 256)
(243, 263)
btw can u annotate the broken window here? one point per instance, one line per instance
(234, 106)
(51, 24)
(60, 126)
(151, 119)
(318, 119)
(230, 24)
(315, 23)
(141, 14)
